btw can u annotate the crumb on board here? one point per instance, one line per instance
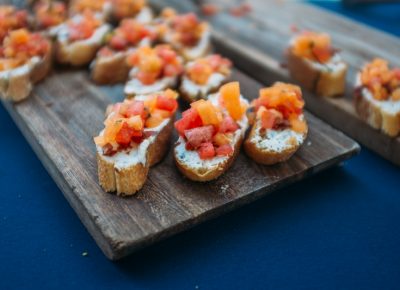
(294, 28)
(209, 9)
(240, 10)
(85, 254)
(309, 143)
(224, 188)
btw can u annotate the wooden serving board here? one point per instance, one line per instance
(66, 110)
(256, 43)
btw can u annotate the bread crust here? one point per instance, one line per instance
(322, 82)
(81, 52)
(267, 156)
(129, 180)
(207, 174)
(18, 85)
(110, 70)
(373, 114)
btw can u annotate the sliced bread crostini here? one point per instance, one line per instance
(316, 65)
(153, 70)
(186, 33)
(110, 65)
(79, 39)
(204, 76)
(377, 96)
(136, 136)
(211, 133)
(25, 59)
(280, 127)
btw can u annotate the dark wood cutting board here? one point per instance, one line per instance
(256, 43)
(66, 110)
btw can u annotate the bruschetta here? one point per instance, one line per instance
(280, 127)
(204, 76)
(136, 136)
(377, 96)
(79, 39)
(11, 19)
(187, 34)
(110, 65)
(25, 58)
(316, 65)
(49, 15)
(137, 9)
(211, 133)
(153, 69)
(114, 10)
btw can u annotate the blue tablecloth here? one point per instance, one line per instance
(338, 229)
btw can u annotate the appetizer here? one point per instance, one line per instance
(211, 133)
(316, 65)
(25, 58)
(114, 10)
(11, 19)
(79, 39)
(204, 76)
(49, 14)
(279, 128)
(154, 69)
(136, 136)
(110, 65)
(187, 34)
(100, 8)
(121, 9)
(377, 96)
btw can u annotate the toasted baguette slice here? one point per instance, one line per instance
(16, 84)
(381, 115)
(135, 87)
(197, 169)
(327, 80)
(126, 172)
(220, 72)
(81, 52)
(272, 146)
(110, 69)
(114, 68)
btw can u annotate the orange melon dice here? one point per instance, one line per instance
(298, 126)
(208, 113)
(153, 121)
(135, 122)
(230, 94)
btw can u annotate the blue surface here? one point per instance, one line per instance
(338, 229)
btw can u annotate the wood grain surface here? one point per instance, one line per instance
(66, 111)
(256, 43)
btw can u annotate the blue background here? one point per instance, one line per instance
(338, 229)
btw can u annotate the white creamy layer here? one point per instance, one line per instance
(95, 39)
(276, 140)
(201, 48)
(136, 87)
(133, 156)
(21, 70)
(193, 89)
(389, 106)
(192, 159)
(145, 15)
